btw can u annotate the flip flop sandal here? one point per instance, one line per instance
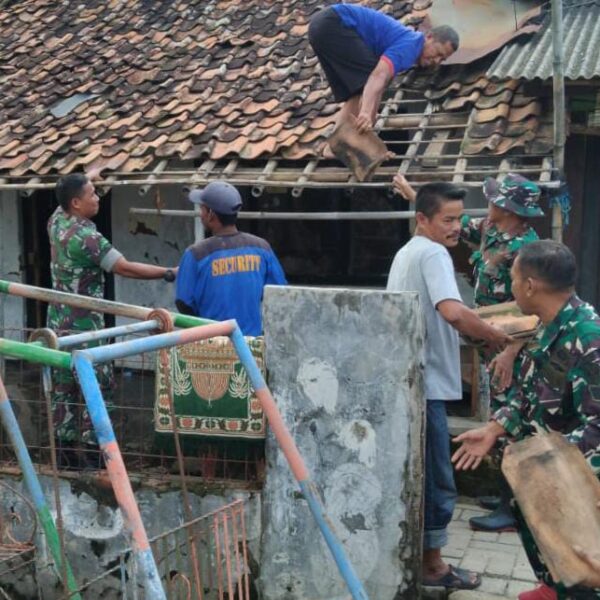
(455, 578)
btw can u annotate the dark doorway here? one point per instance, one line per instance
(582, 233)
(36, 210)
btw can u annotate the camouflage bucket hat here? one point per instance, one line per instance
(516, 194)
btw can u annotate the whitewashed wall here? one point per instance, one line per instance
(12, 309)
(159, 240)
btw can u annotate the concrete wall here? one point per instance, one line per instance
(345, 367)
(12, 309)
(151, 239)
(95, 534)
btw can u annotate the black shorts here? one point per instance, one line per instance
(346, 59)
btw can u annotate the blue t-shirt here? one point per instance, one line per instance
(223, 278)
(388, 38)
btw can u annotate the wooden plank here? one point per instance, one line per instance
(435, 149)
(558, 494)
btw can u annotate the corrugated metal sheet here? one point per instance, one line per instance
(533, 59)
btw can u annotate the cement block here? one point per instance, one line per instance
(345, 370)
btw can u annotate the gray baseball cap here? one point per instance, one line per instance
(219, 196)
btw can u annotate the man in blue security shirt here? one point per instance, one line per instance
(362, 49)
(223, 276)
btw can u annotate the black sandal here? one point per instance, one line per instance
(455, 578)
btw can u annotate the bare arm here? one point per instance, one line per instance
(501, 366)
(371, 96)
(402, 187)
(136, 270)
(468, 322)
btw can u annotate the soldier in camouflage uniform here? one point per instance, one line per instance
(79, 255)
(556, 388)
(495, 239)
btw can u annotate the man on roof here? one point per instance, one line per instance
(362, 49)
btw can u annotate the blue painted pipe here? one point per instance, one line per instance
(297, 465)
(102, 334)
(117, 472)
(160, 341)
(345, 567)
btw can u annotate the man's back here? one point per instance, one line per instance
(223, 278)
(425, 266)
(385, 35)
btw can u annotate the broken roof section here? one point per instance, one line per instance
(235, 90)
(484, 26)
(532, 58)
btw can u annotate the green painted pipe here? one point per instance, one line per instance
(35, 353)
(53, 541)
(32, 482)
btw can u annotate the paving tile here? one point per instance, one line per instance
(493, 585)
(515, 587)
(477, 594)
(474, 561)
(485, 536)
(468, 513)
(453, 552)
(509, 538)
(500, 564)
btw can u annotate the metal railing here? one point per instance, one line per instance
(206, 558)
(82, 363)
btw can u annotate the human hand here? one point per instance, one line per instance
(363, 122)
(498, 339)
(403, 188)
(93, 174)
(501, 370)
(476, 443)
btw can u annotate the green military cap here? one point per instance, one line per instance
(516, 194)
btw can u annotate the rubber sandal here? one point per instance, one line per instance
(455, 578)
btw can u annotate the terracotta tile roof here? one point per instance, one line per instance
(124, 84)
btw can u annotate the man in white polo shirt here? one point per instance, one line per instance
(424, 265)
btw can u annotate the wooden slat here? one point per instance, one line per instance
(435, 149)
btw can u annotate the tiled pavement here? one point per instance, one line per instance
(499, 557)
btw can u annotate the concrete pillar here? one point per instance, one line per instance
(345, 367)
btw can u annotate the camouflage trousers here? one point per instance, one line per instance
(541, 570)
(70, 416)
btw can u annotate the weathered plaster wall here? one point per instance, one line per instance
(11, 308)
(95, 535)
(345, 370)
(149, 238)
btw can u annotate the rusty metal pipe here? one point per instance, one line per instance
(107, 306)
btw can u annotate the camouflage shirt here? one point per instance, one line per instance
(493, 256)
(558, 384)
(79, 254)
